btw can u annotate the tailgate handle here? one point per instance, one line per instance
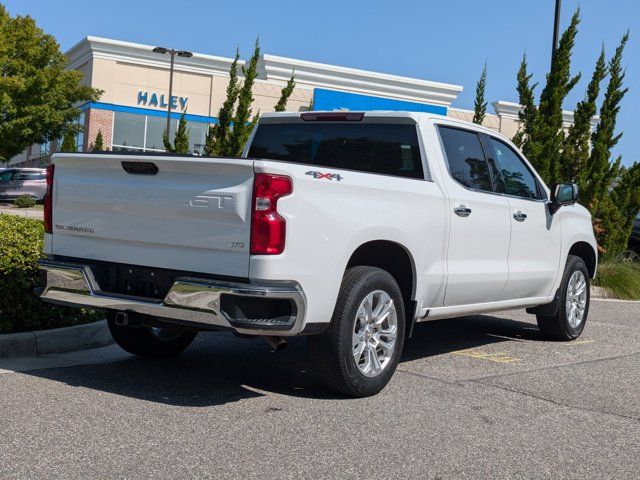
(140, 168)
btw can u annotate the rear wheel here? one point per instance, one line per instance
(359, 351)
(573, 309)
(155, 342)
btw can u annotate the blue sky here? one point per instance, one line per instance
(435, 40)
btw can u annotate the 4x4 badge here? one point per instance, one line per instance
(320, 175)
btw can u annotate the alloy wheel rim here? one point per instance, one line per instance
(576, 301)
(374, 333)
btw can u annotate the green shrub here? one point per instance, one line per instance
(21, 242)
(24, 201)
(621, 277)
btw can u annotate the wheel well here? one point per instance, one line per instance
(393, 258)
(586, 252)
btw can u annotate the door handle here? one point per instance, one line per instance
(462, 211)
(520, 216)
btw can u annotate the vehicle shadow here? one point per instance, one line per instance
(219, 368)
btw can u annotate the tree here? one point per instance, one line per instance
(69, 141)
(542, 134)
(526, 138)
(480, 106)
(37, 93)
(610, 191)
(286, 93)
(210, 141)
(577, 145)
(559, 84)
(599, 169)
(181, 138)
(98, 145)
(241, 125)
(218, 137)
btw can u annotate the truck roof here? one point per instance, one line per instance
(367, 114)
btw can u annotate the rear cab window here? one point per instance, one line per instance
(466, 159)
(379, 148)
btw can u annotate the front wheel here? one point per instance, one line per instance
(359, 351)
(573, 309)
(155, 342)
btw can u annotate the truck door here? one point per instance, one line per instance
(480, 228)
(534, 253)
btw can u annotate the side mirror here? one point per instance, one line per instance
(563, 194)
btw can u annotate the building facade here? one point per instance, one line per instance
(131, 112)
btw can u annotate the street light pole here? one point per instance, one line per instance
(556, 29)
(169, 102)
(172, 53)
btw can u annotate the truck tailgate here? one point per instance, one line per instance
(193, 214)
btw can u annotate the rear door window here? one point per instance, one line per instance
(387, 149)
(466, 159)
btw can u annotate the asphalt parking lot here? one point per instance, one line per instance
(474, 397)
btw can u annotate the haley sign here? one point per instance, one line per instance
(154, 100)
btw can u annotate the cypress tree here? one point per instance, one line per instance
(577, 145)
(210, 141)
(241, 125)
(612, 208)
(98, 145)
(527, 137)
(599, 170)
(285, 94)
(559, 84)
(218, 137)
(480, 106)
(542, 136)
(181, 138)
(69, 141)
(166, 142)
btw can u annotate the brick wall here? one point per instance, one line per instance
(99, 120)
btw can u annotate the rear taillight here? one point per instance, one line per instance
(268, 229)
(48, 201)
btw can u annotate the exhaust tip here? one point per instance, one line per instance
(277, 344)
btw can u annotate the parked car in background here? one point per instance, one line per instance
(634, 240)
(15, 182)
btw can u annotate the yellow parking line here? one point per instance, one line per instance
(498, 357)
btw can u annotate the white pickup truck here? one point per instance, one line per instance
(347, 227)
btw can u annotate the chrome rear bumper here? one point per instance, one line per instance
(196, 301)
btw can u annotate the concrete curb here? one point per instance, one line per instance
(57, 340)
(601, 293)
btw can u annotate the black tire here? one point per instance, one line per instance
(331, 351)
(145, 342)
(558, 327)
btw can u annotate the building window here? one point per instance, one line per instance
(45, 149)
(133, 132)
(80, 136)
(197, 136)
(155, 128)
(128, 131)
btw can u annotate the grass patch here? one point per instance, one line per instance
(620, 277)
